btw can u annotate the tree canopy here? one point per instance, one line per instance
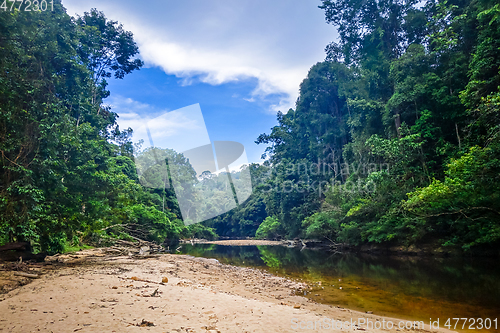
(394, 138)
(62, 179)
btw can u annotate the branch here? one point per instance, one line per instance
(119, 225)
(3, 155)
(460, 211)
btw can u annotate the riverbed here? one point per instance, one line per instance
(416, 288)
(97, 291)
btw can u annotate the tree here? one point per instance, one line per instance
(365, 24)
(268, 229)
(57, 172)
(105, 49)
(464, 207)
(408, 86)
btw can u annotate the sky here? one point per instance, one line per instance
(241, 61)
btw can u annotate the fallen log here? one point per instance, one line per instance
(141, 245)
(27, 255)
(28, 275)
(125, 243)
(18, 246)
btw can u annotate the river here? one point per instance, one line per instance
(416, 288)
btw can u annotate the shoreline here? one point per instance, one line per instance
(422, 251)
(91, 291)
(237, 242)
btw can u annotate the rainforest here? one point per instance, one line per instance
(394, 139)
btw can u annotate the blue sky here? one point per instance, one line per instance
(242, 61)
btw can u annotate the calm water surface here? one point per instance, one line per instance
(408, 288)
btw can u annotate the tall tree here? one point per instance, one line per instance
(106, 49)
(56, 175)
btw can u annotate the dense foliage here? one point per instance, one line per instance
(395, 136)
(394, 139)
(62, 180)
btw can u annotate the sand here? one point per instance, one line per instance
(91, 291)
(241, 242)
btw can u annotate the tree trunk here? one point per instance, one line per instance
(397, 122)
(19, 246)
(458, 137)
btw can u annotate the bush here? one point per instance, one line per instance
(270, 228)
(199, 230)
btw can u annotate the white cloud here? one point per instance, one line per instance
(181, 129)
(220, 41)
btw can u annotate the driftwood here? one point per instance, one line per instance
(28, 275)
(14, 256)
(125, 243)
(138, 247)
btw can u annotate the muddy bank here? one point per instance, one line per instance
(92, 291)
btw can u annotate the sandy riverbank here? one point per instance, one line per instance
(92, 292)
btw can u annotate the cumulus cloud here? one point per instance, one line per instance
(180, 129)
(221, 41)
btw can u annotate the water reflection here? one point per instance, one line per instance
(410, 288)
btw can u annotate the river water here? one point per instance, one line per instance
(413, 288)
